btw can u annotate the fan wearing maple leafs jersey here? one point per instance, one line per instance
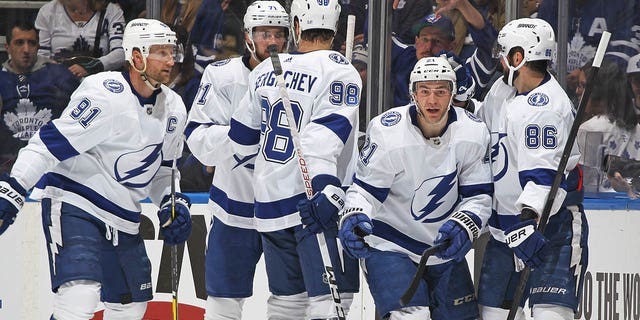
(33, 91)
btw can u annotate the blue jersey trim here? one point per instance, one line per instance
(59, 181)
(242, 134)
(340, 125)
(476, 189)
(237, 208)
(379, 193)
(280, 208)
(57, 143)
(192, 125)
(389, 233)
(541, 177)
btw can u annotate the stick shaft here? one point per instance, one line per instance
(351, 29)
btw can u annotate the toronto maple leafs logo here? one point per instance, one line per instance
(27, 119)
(578, 53)
(136, 169)
(435, 198)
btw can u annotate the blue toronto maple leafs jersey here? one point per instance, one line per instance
(28, 102)
(224, 84)
(324, 91)
(528, 135)
(409, 185)
(108, 150)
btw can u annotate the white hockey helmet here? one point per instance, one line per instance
(265, 14)
(534, 36)
(432, 69)
(316, 14)
(144, 33)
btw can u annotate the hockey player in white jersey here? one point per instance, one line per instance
(529, 116)
(234, 246)
(113, 146)
(324, 90)
(423, 177)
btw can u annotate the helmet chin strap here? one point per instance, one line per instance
(145, 77)
(512, 70)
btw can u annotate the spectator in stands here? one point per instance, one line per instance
(587, 21)
(435, 33)
(360, 60)
(612, 125)
(33, 91)
(132, 9)
(633, 75)
(84, 35)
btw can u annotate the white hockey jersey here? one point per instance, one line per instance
(223, 85)
(324, 89)
(108, 150)
(409, 185)
(528, 135)
(61, 37)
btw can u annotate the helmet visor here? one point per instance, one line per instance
(166, 52)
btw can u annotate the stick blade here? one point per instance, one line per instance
(422, 266)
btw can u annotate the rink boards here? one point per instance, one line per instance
(612, 283)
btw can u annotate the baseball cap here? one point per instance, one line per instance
(633, 65)
(435, 20)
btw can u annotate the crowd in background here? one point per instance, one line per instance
(85, 36)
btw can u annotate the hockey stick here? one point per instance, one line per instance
(306, 180)
(174, 248)
(351, 29)
(422, 266)
(546, 211)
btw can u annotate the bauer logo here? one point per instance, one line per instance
(390, 118)
(113, 85)
(538, 99)
(338, 58)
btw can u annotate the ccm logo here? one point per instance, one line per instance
(465, 299)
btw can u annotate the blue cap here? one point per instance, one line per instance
(439, 21)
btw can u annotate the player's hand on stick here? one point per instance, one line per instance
(526, 241)
(321, 211)
(175, 231)
(354, 226)
(461, 229)
(465, 86)
(12, 196)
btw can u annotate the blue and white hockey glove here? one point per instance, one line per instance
(527, 242)
(11, 201)
(321, 211)
(462, 228)
(175, 231)
(354, 226)
(465, 85)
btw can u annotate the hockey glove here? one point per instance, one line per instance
(354, 226)
(175, 231)
(12, 196)
(462, 229)
(465, 86)
(321, 211)
(527, 242)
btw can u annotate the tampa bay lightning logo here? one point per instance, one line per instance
(390, 118)
(221, 63)
(499, 159)
(113, 85)
(435, 198)
(136, 169)
(472, 116)
(338, 58)
(538, 99)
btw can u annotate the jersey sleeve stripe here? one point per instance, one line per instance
(540, 176)
(57, 143)
(476, 189)
(338, 124)
(237, 208)
(379, 193)
(61, 182)
(191, 126)
(389, 233)
(242, 134)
